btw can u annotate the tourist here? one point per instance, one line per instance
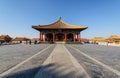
(35, 42)
(30, 42)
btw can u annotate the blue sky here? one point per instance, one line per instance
(101, 16)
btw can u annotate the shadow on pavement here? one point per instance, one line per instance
(23, 74)
(47, 71)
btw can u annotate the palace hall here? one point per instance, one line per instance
(59, 31)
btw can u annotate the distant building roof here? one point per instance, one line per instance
(84, 40)
(33, 39)
(3, 37)
(114, 37)
(20, 39)
(98, 39)
(59, 25)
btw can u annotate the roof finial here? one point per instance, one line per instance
(60, 18)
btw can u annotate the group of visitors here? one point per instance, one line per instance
(19, 42)
(30, 42)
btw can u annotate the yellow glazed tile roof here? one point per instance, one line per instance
(59, 25)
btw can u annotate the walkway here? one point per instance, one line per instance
(61, 64)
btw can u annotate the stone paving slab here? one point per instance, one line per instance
(31, 67)
(95, 68)
(11, 55)
(60, 65)
(109, 55)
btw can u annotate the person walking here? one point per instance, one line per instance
(30, 42)
(35, 42)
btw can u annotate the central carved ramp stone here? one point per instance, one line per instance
(61, 64)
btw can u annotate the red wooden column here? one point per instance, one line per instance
(74, 37)
(79, 39)
(65, 38)
(44, 37)
(53, 37)
(41, 36)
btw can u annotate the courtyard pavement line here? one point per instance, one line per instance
(63, 63)
(100, 63)
(76, 64)
(19, 64)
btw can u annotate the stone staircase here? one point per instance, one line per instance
(59, 42)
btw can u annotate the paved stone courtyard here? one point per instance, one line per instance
(59, 61)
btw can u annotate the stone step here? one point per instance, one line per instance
(59, 42)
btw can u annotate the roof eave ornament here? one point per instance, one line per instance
(60, 18)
